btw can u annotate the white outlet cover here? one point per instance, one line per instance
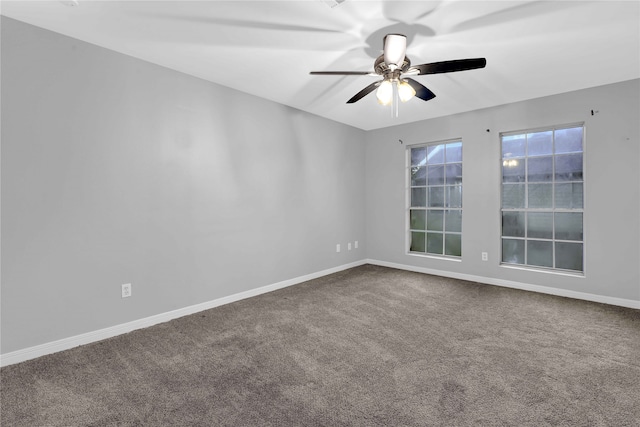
(126, 290)
(338, 247)
(356, 244)
(349, 246)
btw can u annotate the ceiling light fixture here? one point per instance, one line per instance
(405, 91)
(392, 90)
(385, 92)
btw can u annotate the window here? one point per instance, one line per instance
(435, 199)
(542, 198)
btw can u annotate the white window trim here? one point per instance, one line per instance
(407, 226)
(539, 269)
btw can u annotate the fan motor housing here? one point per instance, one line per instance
(381, 67)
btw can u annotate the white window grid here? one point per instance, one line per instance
(444, 208)
(553, 209)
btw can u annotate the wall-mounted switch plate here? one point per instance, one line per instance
(126, 290)
(349, 246)
(338, 247)
(355, 244)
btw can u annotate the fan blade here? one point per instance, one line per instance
(421, 91)
(449, 66)
(364, 92)
(341, 73)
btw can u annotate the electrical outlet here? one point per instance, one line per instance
(338, 247)
(485, 256)
(349, 246)
(126, 290)
(355, 244)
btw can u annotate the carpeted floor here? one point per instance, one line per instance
(370, 346)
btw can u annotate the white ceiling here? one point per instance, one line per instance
(267, 48)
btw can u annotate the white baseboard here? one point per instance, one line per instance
(90, 337)
(516, 285)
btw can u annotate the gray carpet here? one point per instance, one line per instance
(370, 346)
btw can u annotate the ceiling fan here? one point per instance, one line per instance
(393, 65)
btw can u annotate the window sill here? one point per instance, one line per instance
(438, 257)
(543, 270)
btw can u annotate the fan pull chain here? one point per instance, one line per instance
(395, 100)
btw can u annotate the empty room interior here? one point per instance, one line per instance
(323, 212)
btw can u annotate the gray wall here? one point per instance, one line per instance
(612, 183)
(115, 170)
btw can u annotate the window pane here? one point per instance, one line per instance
(436, 197)
(542, 198)
(569, 140)
(417, 219)
(434, 220)
(453, 173)
(513, 146)
(453, 220)
(435, 175)
(418, 197)
(435, 154)
(418, 176)
(417, 242)
(569, 167)
(513, 224)
(513, 170)
(540, 195)
(418, 156)
(513, 251)
(568, 225)
(434, 243)
(513, 195)
(453, 244)
(540, 143)
(569, 256)
(569, 196)
(454, 196)
(540, 169)
(540, 253)
(540, 225)
(454, 152)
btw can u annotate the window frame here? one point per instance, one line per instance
(408, 207)
(553, 210)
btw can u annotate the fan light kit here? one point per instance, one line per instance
(393, 65)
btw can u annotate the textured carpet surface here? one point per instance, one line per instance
(370, 346)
